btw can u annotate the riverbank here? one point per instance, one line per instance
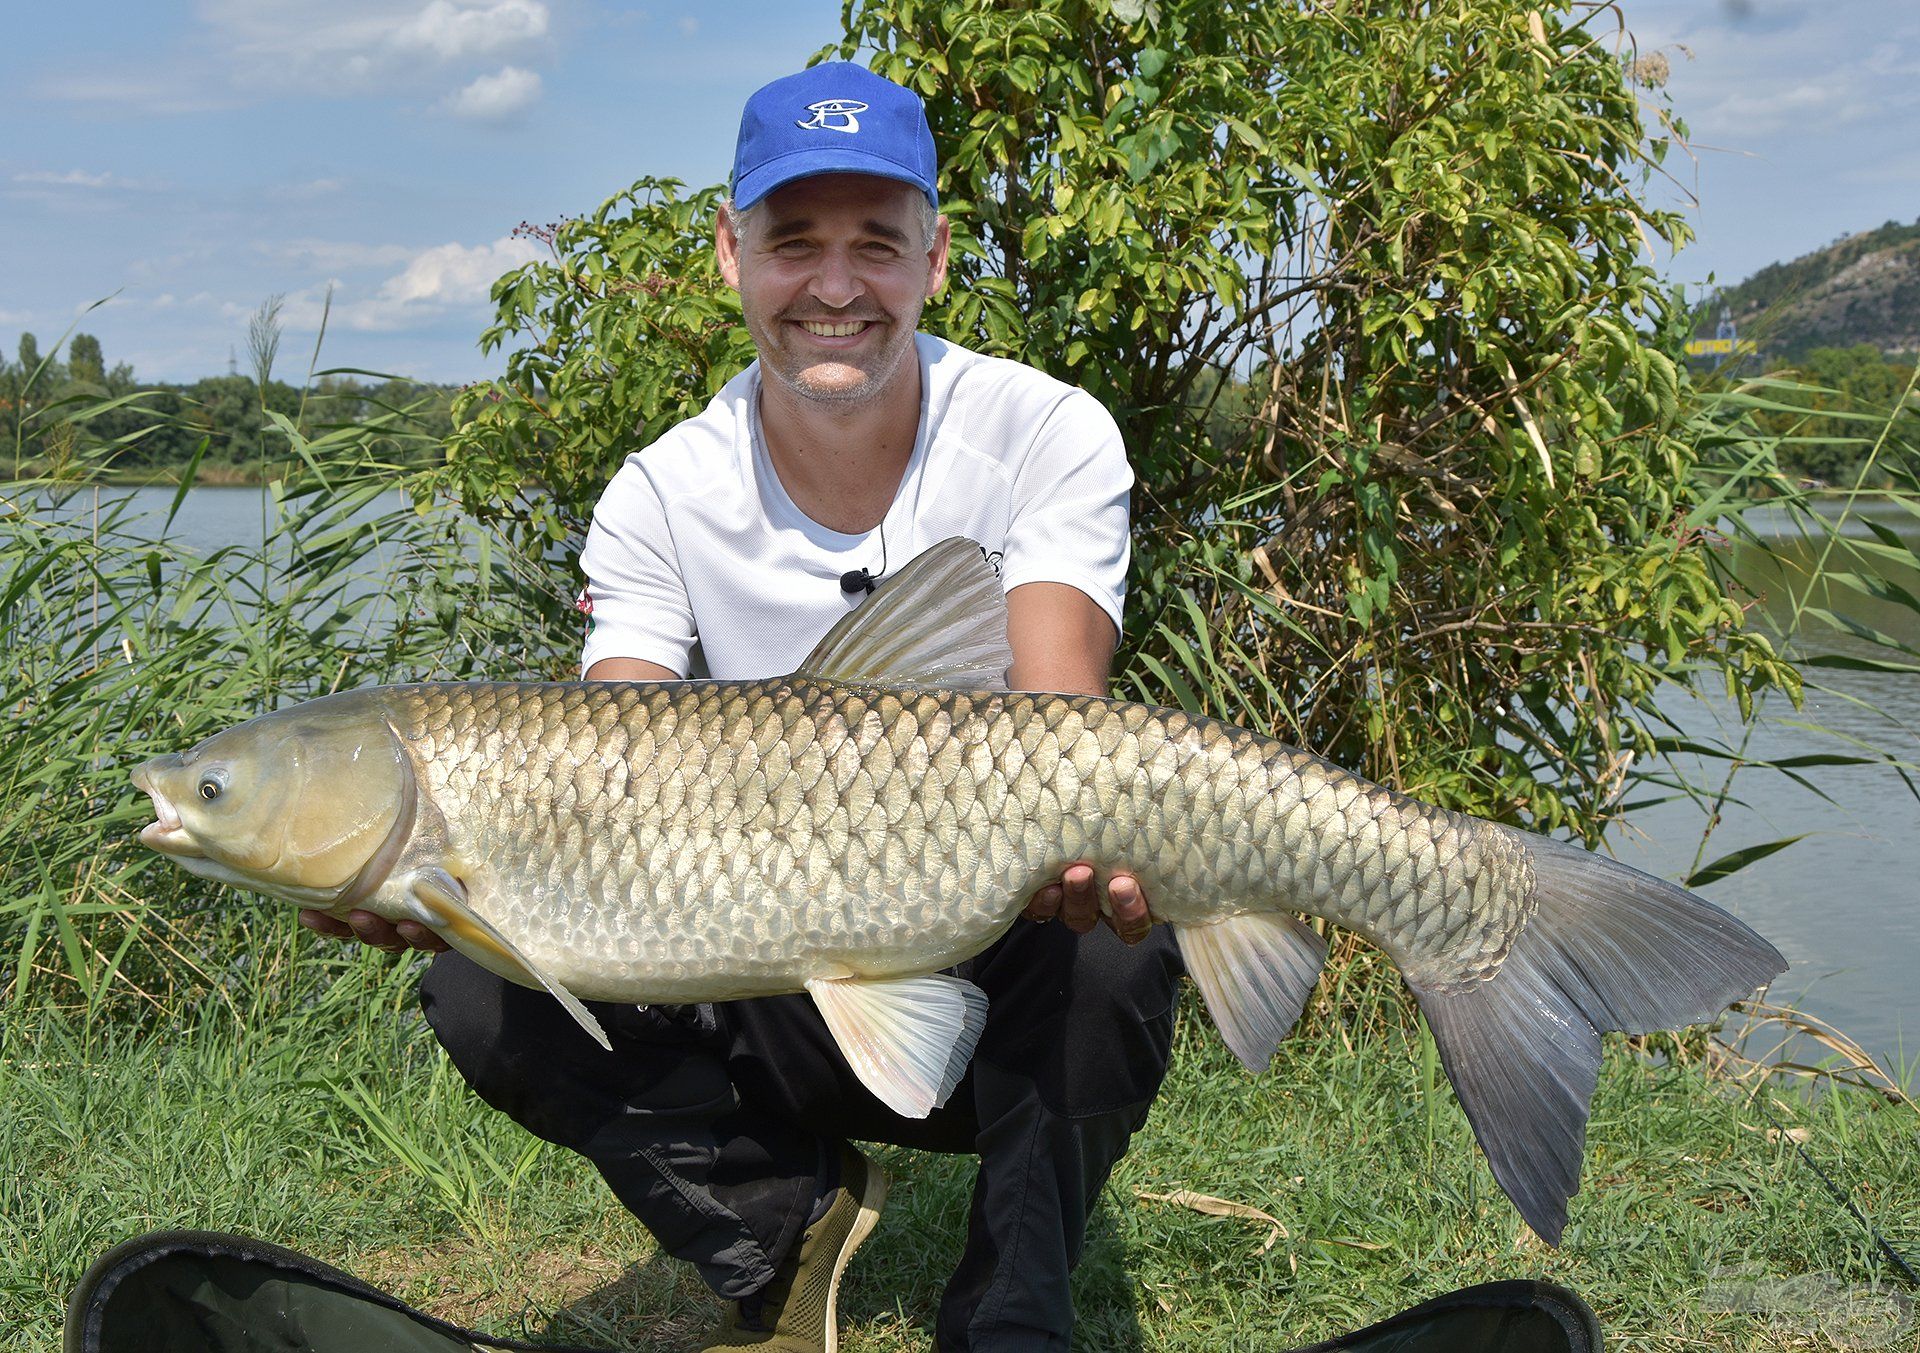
(313, 1108)
(205, 475)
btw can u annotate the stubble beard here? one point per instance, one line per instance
(886, 366)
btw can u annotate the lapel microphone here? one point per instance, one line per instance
(865, 579)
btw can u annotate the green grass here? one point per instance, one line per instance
(317, 1112)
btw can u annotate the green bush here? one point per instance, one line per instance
(1364, 284)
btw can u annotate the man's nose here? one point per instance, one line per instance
(834, 281)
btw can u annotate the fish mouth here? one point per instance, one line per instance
(166, 834)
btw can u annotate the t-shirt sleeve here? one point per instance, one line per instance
(635, 601)
(1069, 518)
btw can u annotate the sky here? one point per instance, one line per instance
(185, 161)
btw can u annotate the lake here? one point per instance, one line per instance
(1843, 904)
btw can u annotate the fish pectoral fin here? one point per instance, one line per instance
(440, 901)
(1256, 971)
(939, 621)
(908, 1039)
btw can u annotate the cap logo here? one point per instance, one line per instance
(833, 115)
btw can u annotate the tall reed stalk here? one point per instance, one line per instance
(122, 640)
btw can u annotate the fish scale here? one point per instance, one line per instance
(902, 827)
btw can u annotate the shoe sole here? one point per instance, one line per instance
(872, 1197)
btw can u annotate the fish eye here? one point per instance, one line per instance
(211, 785)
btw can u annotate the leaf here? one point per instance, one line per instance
(1527, 421)
(1848, 662)
(1734, 861)
(1219, 1207)
(1245, 133)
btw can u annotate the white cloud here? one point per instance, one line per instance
(452, 32)
(1833, 100)
(456, 274)
(15, 317)
(346, 46)
(1899, 168)
(72, 178)
(1894, 58)
(1743, 74)
(445, 279)
(186, 87)
(688, 25)
(496, 97)
(336, 256)
(77, 190)
(250, 49)
(80, 178)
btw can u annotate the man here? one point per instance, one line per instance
(733, 544)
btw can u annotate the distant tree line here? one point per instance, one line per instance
(1852, 399)
(52, 411)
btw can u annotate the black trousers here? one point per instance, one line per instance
(714, 1124)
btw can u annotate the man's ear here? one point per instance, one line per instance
(937, 256)
(726, 247)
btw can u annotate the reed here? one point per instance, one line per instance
(121, 642)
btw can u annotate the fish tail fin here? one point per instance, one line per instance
(1607, 948)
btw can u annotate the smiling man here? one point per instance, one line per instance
(727, 548)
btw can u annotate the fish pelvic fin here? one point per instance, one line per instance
(1255, 971)
(908, 1039)
(1607, 948)
(440, 902)
(939, 621)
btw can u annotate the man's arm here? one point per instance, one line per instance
(1062, 641)
(630, 669)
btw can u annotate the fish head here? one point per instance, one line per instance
(311, 804)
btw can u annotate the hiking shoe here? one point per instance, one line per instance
(795, 1312)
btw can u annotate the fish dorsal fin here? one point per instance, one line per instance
(440, 902)
(940, 621)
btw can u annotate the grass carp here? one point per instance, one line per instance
(884, 812)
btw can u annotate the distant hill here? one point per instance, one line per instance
(1864, 288)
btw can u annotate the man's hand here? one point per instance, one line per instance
(1075, 899)
(1062, 641)
(382, 934)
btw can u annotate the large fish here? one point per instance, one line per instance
(882, 813)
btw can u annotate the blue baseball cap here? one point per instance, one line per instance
(836, 118)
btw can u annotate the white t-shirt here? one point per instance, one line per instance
(696, 542)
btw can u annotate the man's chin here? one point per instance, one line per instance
(834, 383)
